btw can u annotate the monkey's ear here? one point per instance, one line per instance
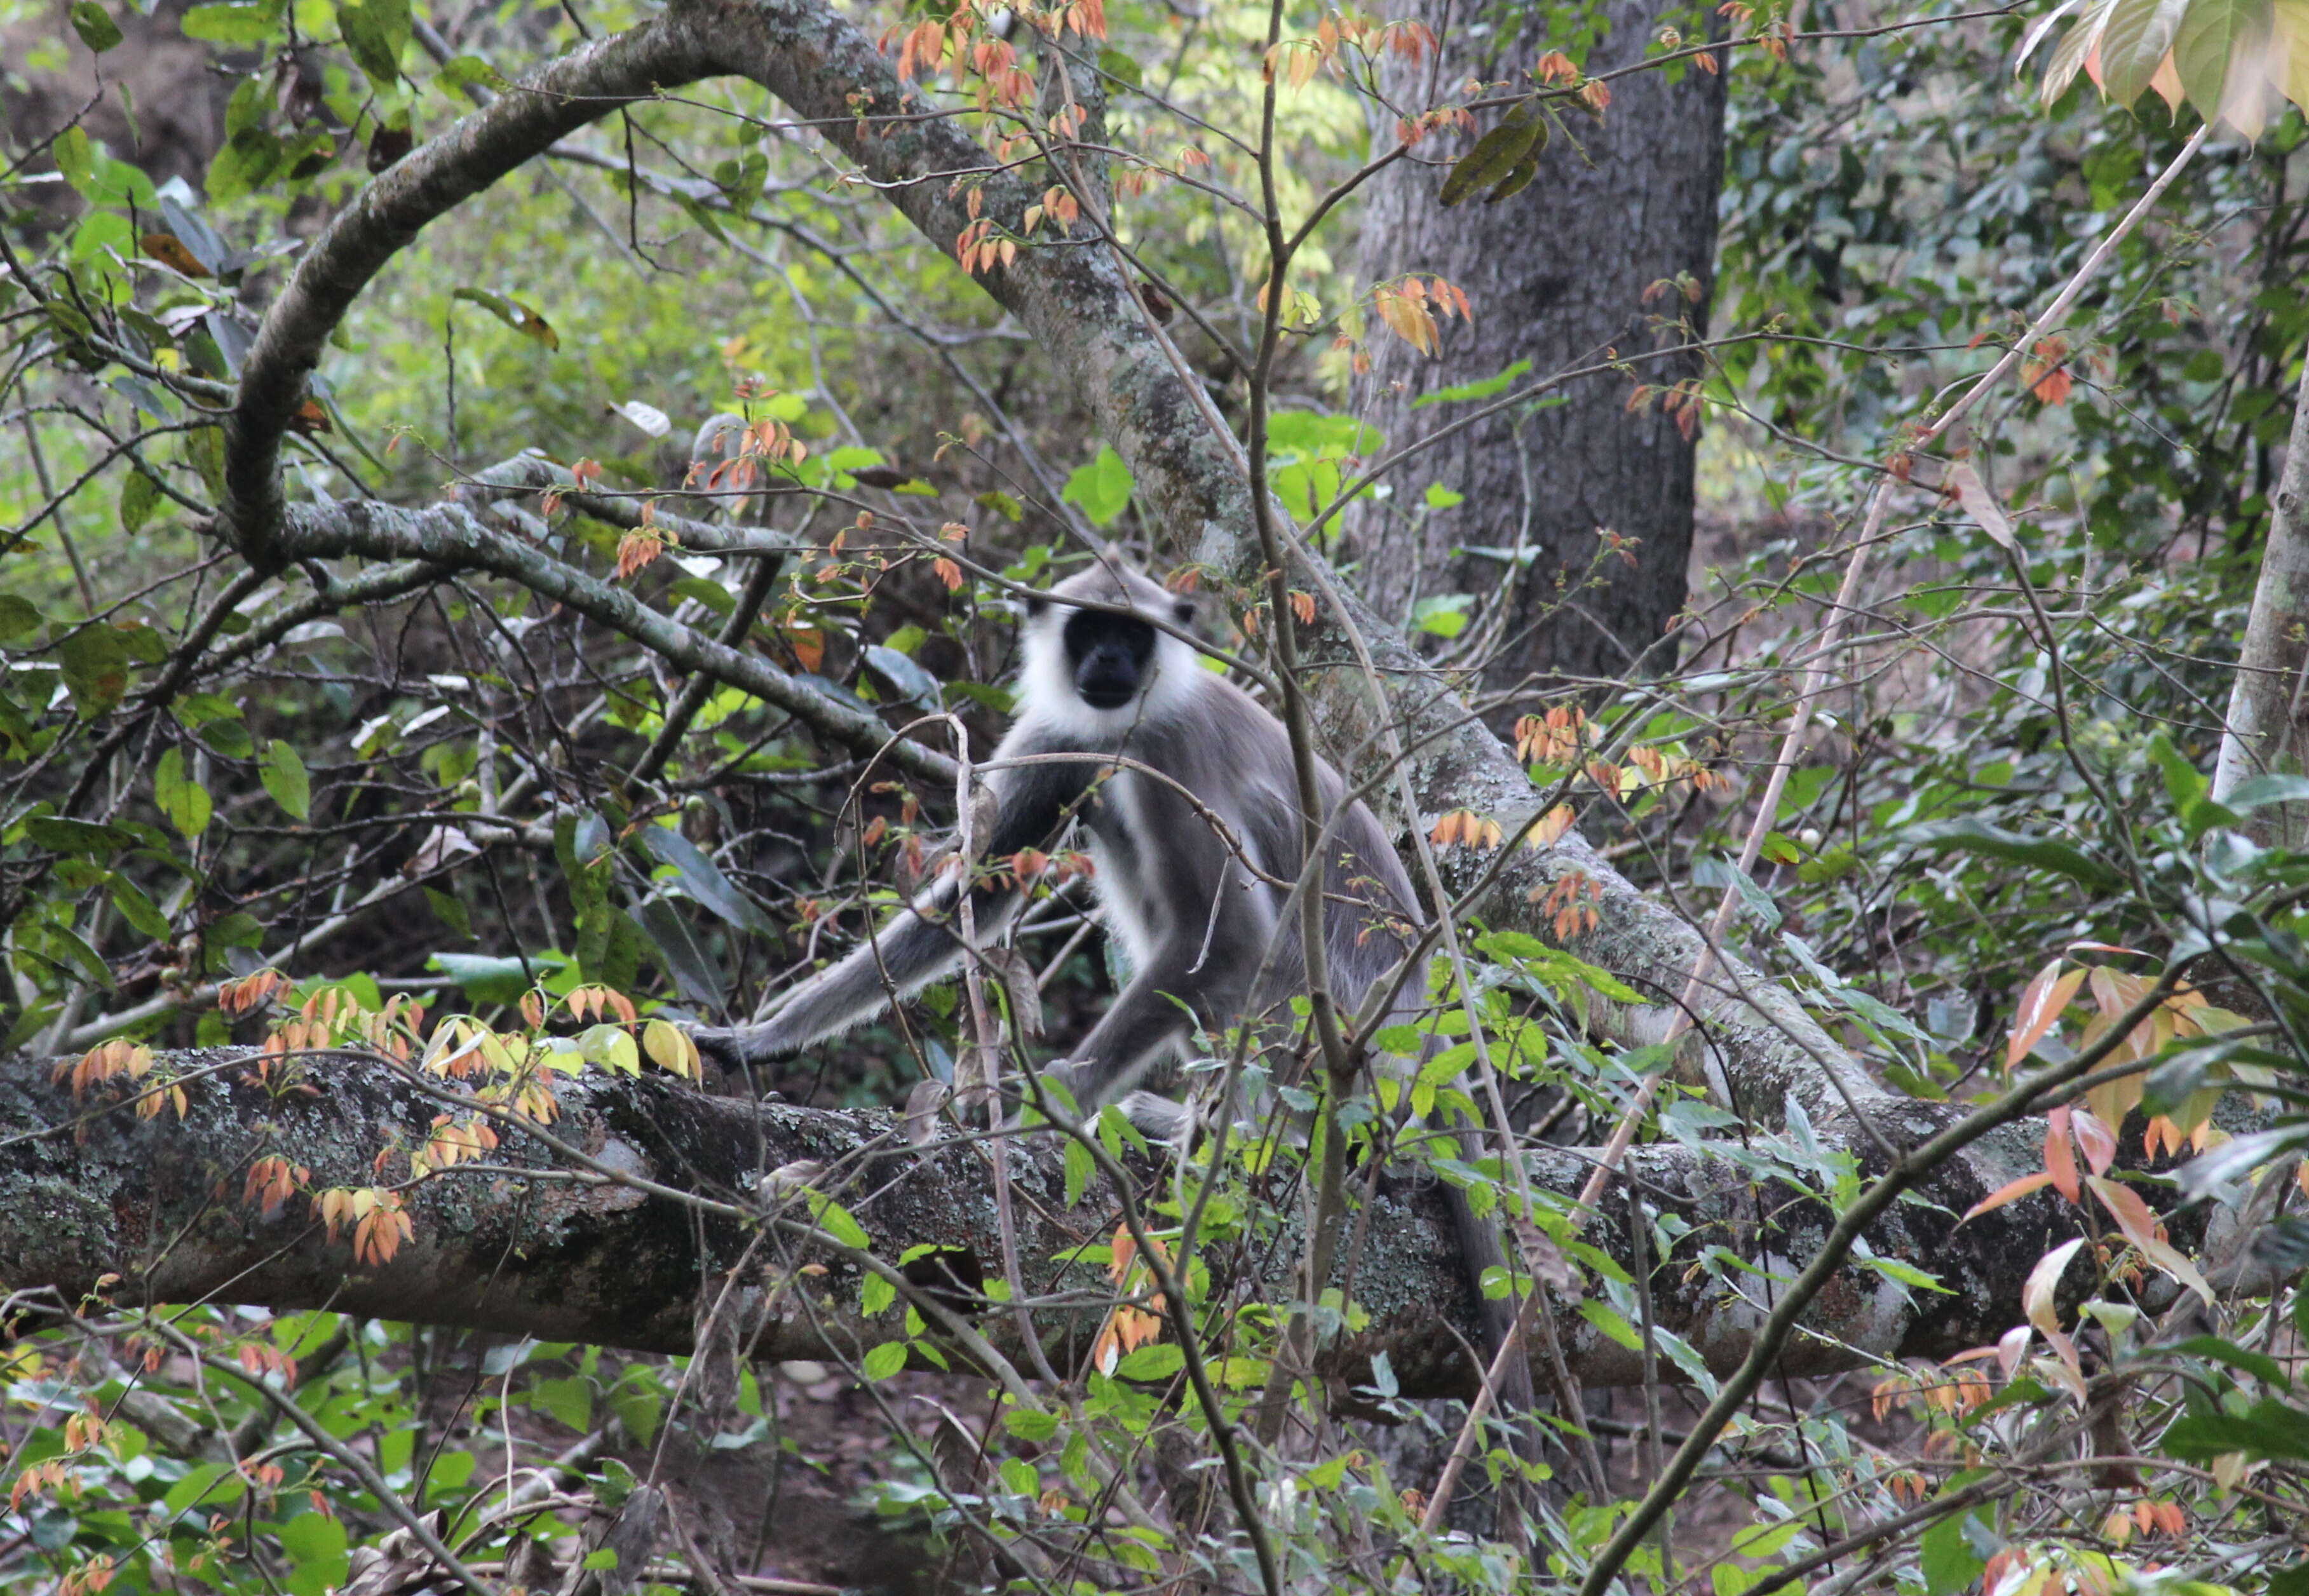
(1184, 609)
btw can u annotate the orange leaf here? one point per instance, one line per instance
(2140, 1228)
(2059, 1161)
(1549, 827)
(2099, 1144)
(2041, 1005)
(2009, 1193)
(2045, 375)
(167, 249)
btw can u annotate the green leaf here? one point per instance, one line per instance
(18, 620)
(697, 975)
(59, 834)
(230, 739)
(140, 496)
(916, 685)
(2257, 792)
(462, 70)
(2045, 853)
(1613, 1324)
(1517, 179)
(885, 1360)
(1157, 1362)
(2183, 782)
(2260, 1365)
(569, 1402)
(232, 25)
(702, 880)
(193, 1487)
(75, 157)
(1489, 387)
(245, 165)
(2139, 33)
(1520, 133)
(316, 1543)
(1442, 615)
(74, 947)
(1102, 488)
(1080, 1167)
(374, 32)
(185, 801)
(1908, 1274)
(2268, 1429)
(95, 660)
(514, 314)
(2201, 47)
(1439, 497)
(284, 774)
(876, 1295)
(450, 910)
(836, 1220)
(1030, 1424)
(1948, 1561)
(488, 979)
(95, 26)
(638, 1409)
(138, 910)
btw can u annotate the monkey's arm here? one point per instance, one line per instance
(919, 944)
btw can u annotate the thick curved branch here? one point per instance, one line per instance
(530, 1245)
(446, 535)
(664, 52)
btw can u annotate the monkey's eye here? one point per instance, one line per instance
(1036, 604)
(1184, 609)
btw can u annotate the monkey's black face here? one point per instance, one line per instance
(1110, 654)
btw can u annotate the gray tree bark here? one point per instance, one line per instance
(98, 1203)
(2266, 733)
(1558, 275)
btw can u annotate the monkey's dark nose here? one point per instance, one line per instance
(1107, 681)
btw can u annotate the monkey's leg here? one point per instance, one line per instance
(1155, 1013)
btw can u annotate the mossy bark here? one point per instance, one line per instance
(99, 1203)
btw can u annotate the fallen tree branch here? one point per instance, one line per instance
(97, 1200)
(448, 535)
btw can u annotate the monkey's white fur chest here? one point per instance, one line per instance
(1119, 851)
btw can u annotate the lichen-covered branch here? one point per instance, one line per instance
(97, 1199)
(386, 217)
(446, 536)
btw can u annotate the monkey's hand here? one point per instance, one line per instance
(1158, 1118)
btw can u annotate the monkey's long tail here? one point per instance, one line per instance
(1479, 1246)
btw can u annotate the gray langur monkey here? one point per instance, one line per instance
(1199, 920)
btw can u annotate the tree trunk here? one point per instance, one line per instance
(2266, 734)
(1558, 275)
(96, 1200)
